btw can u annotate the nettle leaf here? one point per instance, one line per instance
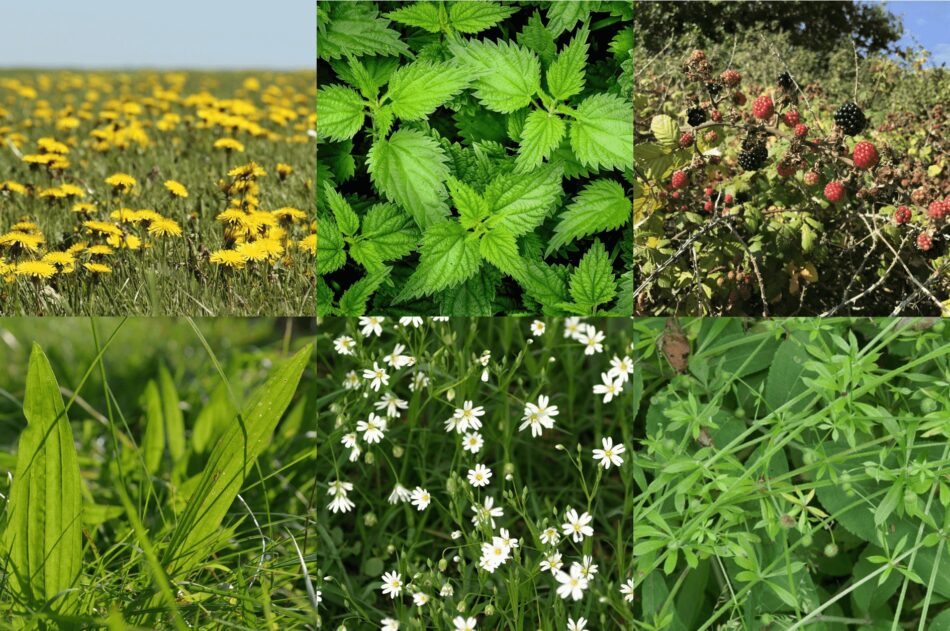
(365, 253)
(449, 256)
(521, 202)
(602, 205)
(330, 254)
(500, 248)
(542, 283)
(355, 29)
(564, 15)
(416, 89)
(346, 220)
(424, 15)
(340, 112)
(593, 282)
(354, 299)
(565, 77)
(409, 169)
(472, 207)
(538, 38)
(507, 74)
(541, 135)
(392, 233)
(472, 17)
(602, 132)
(473, 298)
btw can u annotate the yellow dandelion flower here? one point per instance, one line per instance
(233, 216)
(71, 190)
(126, 241)
(67, 123)
(262, 249)
(177, 189)
(22, 240)
(100, 249)
(65, 261)
(58, 163)
(228, 258)
(164, 226)
(146, 214)
(25, 226)
(43, 158)
(122, 182)
(293, 214)
(98, 268)
(283, 170)
(13, 187)
(84, 208)
(52, 193)
(125, 215)
(36, 269)
(76, 248)
(248, 171)
(229, 144)
(102, 227)
(308, 243)
(49, 145)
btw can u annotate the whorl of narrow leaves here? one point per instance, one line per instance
(229, 464)
(416, 89)
(602, 132)
(43, 535)
(410, 170)
(507, 74)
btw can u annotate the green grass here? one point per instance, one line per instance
(214, 532)
(548, 474)
(168, 275)
(795, 475)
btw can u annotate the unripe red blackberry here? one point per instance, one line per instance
(834, 192)
(865, 155)
(792, 118)
(708, 191)
(715, 116)
(711, 136)
(812, 178)
(924, 242)
(686, 139)
(801, 130)
(679, 179)
(937, 210)
(708, 205)
(727, 198)
(675, 194)
(763, 107)
(902, 215)
(731, 78)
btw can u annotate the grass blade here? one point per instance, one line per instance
(43, 537)
(153, 442)
(174, 421)
(229, 463)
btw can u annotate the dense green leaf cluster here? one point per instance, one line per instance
(474, 158)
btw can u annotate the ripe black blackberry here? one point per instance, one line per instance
(695, 116)
(785, 81)
(753, 154)
(850, 118)
(714, 88)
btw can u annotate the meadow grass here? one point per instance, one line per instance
(218, 533)
(436, 368)
(792, 474)
(64, 133)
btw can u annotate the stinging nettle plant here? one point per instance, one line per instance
(476, 161)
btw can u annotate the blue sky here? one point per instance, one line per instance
(160, 34)
(927, 23)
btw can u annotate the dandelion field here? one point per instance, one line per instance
(169, 193)
(474, 473)
(156, 485)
